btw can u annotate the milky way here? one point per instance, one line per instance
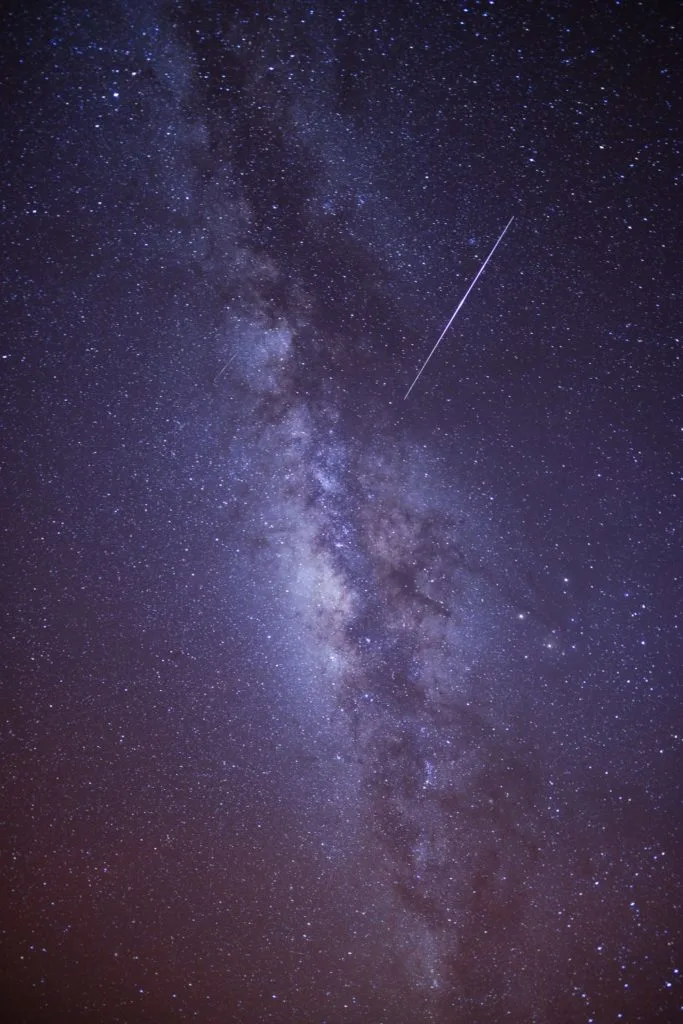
(323, 706)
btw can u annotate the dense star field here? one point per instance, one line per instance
(324, 705)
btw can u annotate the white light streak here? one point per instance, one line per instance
(481, 270)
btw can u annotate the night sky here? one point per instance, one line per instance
(321, 704)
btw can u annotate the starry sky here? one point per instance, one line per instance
(321, 704)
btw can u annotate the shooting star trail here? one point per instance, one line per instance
(224, 368)
(462, 302)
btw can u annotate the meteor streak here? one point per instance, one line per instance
(224, 368)
(481, 270)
